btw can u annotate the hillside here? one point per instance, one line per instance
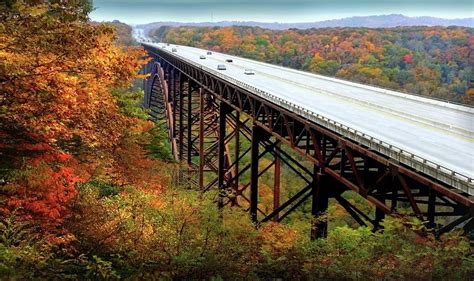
(376, 21)
(429, 61)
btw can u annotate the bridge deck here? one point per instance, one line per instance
(439, 132)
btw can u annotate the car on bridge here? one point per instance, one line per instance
(203, 57)
(229, 60)
(174, 50)
(209, 52)
(249, 72)
(221, 67)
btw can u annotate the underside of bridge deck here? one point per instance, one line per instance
(230, 138)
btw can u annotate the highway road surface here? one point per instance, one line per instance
(440, 132)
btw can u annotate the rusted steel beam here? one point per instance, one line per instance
(254, 157)
(223, 111)
(351, 210)
(181, 131)
(237, 151)
(201, 139)
(189, 152)
(276, 180)
(288, 203)
(319, 207)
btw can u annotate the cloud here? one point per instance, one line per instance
(143, 11)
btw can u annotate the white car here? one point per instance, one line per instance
(202, 57)
(221, 67)
(249, 72)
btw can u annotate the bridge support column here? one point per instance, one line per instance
(170, 80)
(380, 214)
(223, 110)
(175, 95)
(320, 200)
(201, 139)
(236, 155)
(431, 208)
(191, 89)
(182, 94)
(254, 157)
(276, 181)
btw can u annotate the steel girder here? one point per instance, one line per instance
(339, 164)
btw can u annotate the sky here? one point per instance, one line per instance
(285, 11)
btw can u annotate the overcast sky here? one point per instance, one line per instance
(145, 11)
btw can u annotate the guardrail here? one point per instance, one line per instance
(444, 174)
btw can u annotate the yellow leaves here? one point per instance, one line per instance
(143, 76)
(370, 46)
(62, 76)
(277, 238)
(37, 10)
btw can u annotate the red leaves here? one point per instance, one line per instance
(407, 58)
(43, 186)
(43, 194)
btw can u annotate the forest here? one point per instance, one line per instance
(437, 62)
(87, 187)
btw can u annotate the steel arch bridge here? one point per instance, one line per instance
(230, 138)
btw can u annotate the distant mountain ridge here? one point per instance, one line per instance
(378, 21)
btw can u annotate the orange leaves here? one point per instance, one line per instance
(42, 190)
(277, 238)
(57, 84)
(56, 79)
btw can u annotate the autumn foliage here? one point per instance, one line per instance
(56, 78)
(429, 61)
(57, 109)
(44, 186)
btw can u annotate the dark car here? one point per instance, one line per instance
(229, 60)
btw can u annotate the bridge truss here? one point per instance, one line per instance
(231, 138)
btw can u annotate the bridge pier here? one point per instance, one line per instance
(254, 173)
(202, 154)
(320, 202)
(276, 180)
(182, 94)
(222, 165)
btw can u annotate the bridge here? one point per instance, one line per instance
(407, 155)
